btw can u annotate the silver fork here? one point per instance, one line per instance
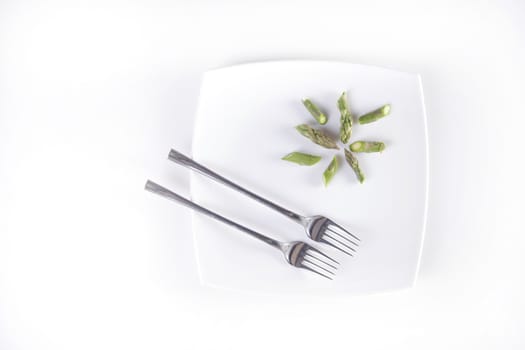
(298, 254)
(319, 228)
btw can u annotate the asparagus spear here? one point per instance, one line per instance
(345, 130)
(367, 146)
(330, 171)
(354, 164)
(317, 136)
(375, 115)
(301, 158)
(315, 111)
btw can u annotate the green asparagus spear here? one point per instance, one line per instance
(345, 130)
(315, 111)
(367, 146)
(354, 164)
(375, 115)
(317, 136)
(301, 158)
(330, 171)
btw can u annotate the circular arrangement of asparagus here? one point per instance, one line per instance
(322, 139)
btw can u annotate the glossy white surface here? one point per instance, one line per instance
(245, 124)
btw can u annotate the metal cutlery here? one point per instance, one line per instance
(298, 254)
(318, 228)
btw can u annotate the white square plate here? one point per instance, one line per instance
(245, 124)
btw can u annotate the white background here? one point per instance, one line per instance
(93, 94)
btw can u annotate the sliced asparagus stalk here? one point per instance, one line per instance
(317, 136)
(354, 164)
(315, 111)
(345, 130)
(375, 115)
(302, 158)
(330, 171)
(367, 146)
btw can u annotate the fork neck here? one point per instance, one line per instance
(270, 241)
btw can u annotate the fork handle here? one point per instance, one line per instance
(164, 192)
(187, 162)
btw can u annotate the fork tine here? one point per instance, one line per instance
(314, 271)
(319, 266)
(336, 247)
(320, 260)
(338, 241)
(328, 228)
(341, 228)
(323, 254)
